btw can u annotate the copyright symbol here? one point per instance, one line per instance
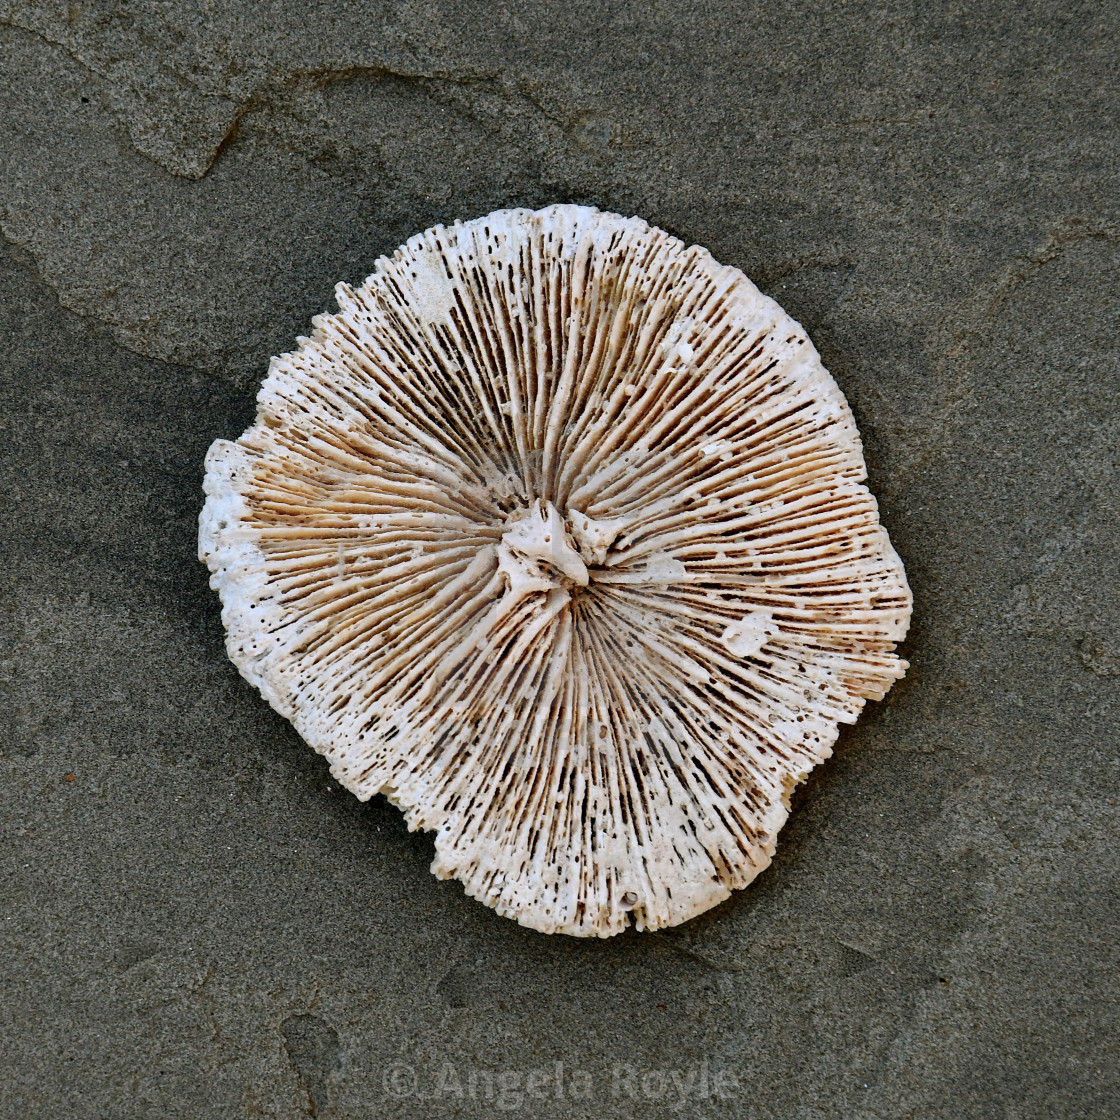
(399, 1080)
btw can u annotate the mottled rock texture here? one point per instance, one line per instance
(195, 922)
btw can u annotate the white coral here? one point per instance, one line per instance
(556, 534)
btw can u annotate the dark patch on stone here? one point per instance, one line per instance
(850, 960)
(313, 1049)
(458, 987)
(133, 951)
(809, 291)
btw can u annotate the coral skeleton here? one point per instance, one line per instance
(556, 535)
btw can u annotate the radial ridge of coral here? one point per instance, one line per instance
(556, 535)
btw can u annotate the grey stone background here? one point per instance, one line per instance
(195, 922)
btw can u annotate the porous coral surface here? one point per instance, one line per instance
(557, 535)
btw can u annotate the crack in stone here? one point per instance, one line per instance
(194, 161)
(26, 259)
(1068, 231)
(961, 328)
(317, 79)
